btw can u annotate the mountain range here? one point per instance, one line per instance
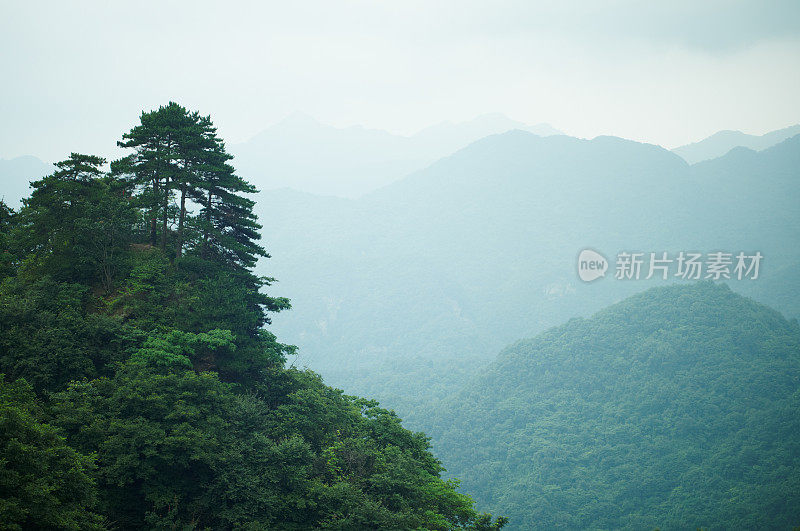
(721, 142)
(306, 155)
(301, 153)
(432, 273)
(405, 292)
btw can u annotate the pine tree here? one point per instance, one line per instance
(179, 152)
(230, 228)
(197, 144)
(76, 222)
(155, 166)
(7, 258)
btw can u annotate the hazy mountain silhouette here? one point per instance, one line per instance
(720, 143)
(301, 153)
(429, 276)
(452, 136)
(674, 409)
(16, 174)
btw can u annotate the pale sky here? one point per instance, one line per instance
(75, 75)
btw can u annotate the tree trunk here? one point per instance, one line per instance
(164, 219)
(168, 156)
(154, 214)
(179, 244)
(207, 228)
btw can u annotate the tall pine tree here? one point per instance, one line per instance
(177, 152)
(230, 228)
(155, 166)
(76, 222)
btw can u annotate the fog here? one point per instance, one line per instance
(667, 74)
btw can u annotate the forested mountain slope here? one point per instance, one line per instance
(676, 408)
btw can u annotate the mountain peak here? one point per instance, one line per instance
(486, 124)
(298, 119)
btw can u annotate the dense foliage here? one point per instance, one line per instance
(677, 408)
(44, 483)
(141, 388)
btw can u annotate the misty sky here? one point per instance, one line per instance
(75, 75)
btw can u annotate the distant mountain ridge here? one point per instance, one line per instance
(722, 142)
(403, 292)
(301, 153)
(16, 174)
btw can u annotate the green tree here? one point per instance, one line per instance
(179, 151)
(44, 484)
(154, 166)
(178, 448)
(230, 228)
(197, 148)
(76, 225)
(49, 333)
(7, 256)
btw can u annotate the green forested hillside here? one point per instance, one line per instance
(678, 408)
(140, 389)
